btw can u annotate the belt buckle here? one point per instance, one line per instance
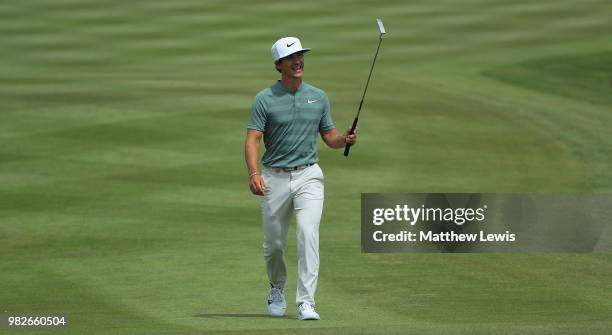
(295, 168)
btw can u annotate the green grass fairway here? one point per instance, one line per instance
(124, 199)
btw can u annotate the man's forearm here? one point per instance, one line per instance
(334, 139)
(251, 156)
(338, 142)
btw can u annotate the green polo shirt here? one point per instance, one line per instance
(291, 123)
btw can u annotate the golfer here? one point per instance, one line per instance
(288, 116)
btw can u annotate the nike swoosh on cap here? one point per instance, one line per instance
(289, 45)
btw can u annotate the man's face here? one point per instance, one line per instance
(292, 65)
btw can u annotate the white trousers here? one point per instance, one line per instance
(300, 191)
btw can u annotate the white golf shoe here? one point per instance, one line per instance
(276, 301)
(306, 312)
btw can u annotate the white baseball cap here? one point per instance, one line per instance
(286, 46)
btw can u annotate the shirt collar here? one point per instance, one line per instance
(282, 87)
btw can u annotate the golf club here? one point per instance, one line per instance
(381, 29)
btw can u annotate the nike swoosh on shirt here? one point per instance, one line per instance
(311, 101)
(289, 45)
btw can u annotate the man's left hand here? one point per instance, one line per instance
(350, 138)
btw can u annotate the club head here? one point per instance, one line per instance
(381, 27)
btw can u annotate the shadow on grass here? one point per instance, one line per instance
(242, 315)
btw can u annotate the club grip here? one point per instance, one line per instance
(347, 148)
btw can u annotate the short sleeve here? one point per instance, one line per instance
(257, 118)
(326, 119)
